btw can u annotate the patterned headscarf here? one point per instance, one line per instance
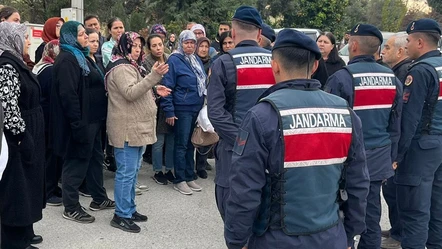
(49, 29)
(158, 29)
(196, 66)
(12, 38)
(69, 43)
(124, 47)
(50, 52)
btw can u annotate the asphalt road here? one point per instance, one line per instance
(175, 221)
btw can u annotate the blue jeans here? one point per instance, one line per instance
(184, 150)
(128, 161)
(157, 152)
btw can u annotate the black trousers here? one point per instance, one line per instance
(76, 170)
(16, 237)
(54, 166)
(201, 157)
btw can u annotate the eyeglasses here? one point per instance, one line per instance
(198, 33)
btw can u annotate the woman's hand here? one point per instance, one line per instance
(160, 69)
(162, 90)
(171, 121)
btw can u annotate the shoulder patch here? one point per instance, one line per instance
(408, 80)
(241, 141)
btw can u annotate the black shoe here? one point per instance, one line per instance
(208, 166)
(385, 233)
(54, 201)
(160, 178)
(195, 176)
(37, 239)
(110, 164)
(79, 215)
(106, 204)
(137, 217)
(202, 174)
(124, 224)
(169, 176)
(148, 159)
(31, 247)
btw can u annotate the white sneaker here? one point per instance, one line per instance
(182, 188)
(142, 187)
(193, 186)
(138, 191)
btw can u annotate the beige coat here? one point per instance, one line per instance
(131, 107)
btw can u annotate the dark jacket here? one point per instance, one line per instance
(401, 69)
(22, 194)
(183, 82)
(334, 66)
(68, 121)
(97, 94)
(321, 73)
(39, 52)
(45, 80)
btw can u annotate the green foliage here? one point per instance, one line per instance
(436, 5)
(393, 12)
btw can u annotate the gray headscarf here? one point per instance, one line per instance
(12, 38)
(196, 66)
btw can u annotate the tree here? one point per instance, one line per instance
(393, 12)
(436, 5)
(324, 15)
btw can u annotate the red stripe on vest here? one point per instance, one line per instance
(255, 76)
(367, 97)
(440, 89)
(304, 147)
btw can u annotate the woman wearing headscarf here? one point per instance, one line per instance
(131, 121)
(22, 186)
(44, 69)
(201, 164)
(78, 105)
(51, 31)
(187, 79)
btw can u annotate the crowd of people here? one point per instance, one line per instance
(306, 142)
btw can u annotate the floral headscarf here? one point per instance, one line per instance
(124, 47)
(158, 29)
(12, 38)
(69, 43)
(50, 52)
(196, 66)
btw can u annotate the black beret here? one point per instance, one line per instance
(366, 30)
(296, 39)
(249, 15)
(268, 32)
(424, 25)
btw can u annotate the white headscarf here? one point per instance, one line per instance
(196, 66)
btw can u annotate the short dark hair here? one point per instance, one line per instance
(89, 17)
(226, 24)
(294, 59)
(334, 55)
(432, 38)
(7, 11)
(150, 37)
(91, 31)
(249, 28)
(368, 44)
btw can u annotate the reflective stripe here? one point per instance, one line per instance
(310, 163)
(316, 130)
(251, 54)
(313, 110)
(374, 87)
(254, 66)
(264, 86)
(369, 107)
(438, 68)
(373, 75)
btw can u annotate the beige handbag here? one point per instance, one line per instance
(202, 139)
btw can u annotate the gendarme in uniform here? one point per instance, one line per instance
(288, 163)
(375, 94)
(237, 80)
(419, 173)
